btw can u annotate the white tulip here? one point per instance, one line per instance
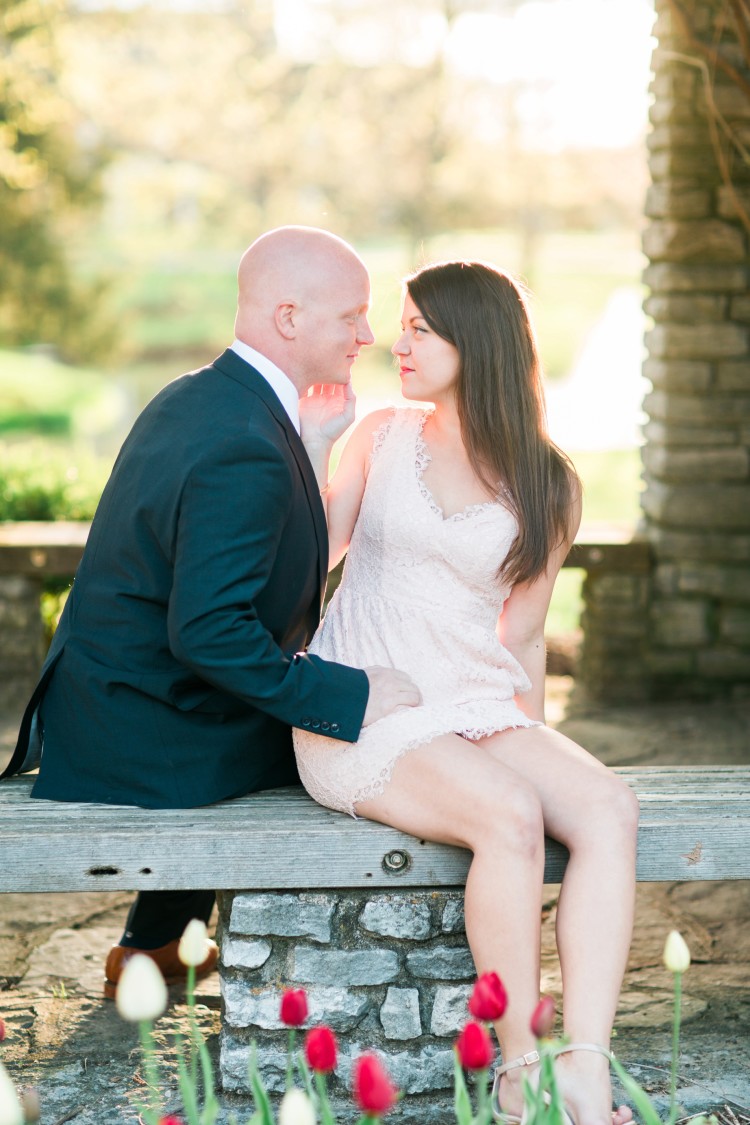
(296, 1108)
(141, 991)
(193, 947)
(676, 953)
(10, 1105)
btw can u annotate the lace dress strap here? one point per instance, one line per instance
(379, 436)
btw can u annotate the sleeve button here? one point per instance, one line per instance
(325, 726)
(305, 721)
(315, 724)
(335, 728)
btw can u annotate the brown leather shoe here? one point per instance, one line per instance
(166, 959)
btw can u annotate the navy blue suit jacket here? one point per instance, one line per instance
(178, 667)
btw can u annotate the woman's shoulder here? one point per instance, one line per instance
(391, 420)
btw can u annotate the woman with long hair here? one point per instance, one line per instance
(457, 517)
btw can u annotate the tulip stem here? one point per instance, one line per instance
(675, 1047)
(290, 1059)
(151, 1073)
(484, 1114)
(190, 994)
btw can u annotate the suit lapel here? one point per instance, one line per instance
(233, 365)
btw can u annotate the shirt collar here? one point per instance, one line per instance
(280, 384)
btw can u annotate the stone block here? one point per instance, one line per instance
(397, 917)
(698, 410)
(723, 664)
(713, 507)
(283, 915)
(674, 84)
(236, 953)
(663, 277)
(245, 1006)
(234, 1064)
(731, 200)
(340, 966)
(731, 102)
(454, 921)
(688, 308)
(680, 623)
(700, 547)
(664, 580)
(441, 963)
(697, 164)
(670, 111)
(697, 341)
(740, 308)
(399, 1014)
(677, 374)
(734, 626)
(675, 434)
(729, 463)
(702, 240)
(450, 1010)
(670, 662)
(733, 376)
(677, 133)
(624, 591)
(726, 583)
(423, 1071)
(668, 201)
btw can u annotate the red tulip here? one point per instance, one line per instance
(543, 1018)
(474, 1047)
(3, 1031)
(374, 1092)
(321, 1049)
(171, 1120)
(489, 998)
(294, 1007)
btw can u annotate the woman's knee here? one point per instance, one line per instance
(508, 816)
(611, 817)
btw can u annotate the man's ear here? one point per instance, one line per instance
(284, 315)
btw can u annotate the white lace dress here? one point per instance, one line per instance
(419, 592)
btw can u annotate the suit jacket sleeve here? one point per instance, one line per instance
(232, 518)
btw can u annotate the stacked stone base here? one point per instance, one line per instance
(23, 641)
(387, 971)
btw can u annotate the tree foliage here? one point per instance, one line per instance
(47, 180)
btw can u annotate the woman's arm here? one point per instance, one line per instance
(521, 625)
(323, 419)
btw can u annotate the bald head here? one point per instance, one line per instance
(295, 285)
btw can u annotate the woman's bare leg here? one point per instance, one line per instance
(454, 792)
(595, 815)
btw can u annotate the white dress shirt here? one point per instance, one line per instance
(280, 384)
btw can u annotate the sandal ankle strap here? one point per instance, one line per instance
(596, 1047)
(523, 1060)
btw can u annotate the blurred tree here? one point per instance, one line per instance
(47, 179)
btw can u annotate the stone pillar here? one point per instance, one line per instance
(697, 456)
(22, 640)
(386, 970)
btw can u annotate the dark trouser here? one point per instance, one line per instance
(157, 917)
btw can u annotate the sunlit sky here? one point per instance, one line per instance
(580, 67)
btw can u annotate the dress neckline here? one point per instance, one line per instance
(422, 458)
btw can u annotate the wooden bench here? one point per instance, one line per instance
(695, 824)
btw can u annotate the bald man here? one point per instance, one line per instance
(178, 667)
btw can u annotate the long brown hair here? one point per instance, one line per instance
(500, 400)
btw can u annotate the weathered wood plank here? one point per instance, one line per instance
(52, 547)
(695, 824)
